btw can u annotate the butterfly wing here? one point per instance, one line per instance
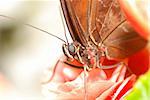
(120, 39)
(75, 15)
(102, 22)
(123, 42)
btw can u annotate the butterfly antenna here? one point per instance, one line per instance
(63, 23)
(29, 25)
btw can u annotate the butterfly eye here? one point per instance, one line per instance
(71, 49)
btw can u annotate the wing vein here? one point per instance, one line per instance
(106, 18)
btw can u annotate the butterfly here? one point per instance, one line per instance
(99, 30)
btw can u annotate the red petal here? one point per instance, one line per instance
(108, 94)
(108, 62)
(137, 13)
(124, 87)
(139, 62)
(119, 73)
(63, 72)
(97, 74)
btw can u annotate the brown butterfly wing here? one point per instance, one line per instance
(116, 33)
(98, 20)
(123, 42)
(75, 15)
(105, 16)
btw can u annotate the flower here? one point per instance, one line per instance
(110, 84)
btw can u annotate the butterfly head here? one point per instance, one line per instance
(70, 50)
(82, 54)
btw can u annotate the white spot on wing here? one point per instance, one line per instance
(124, 29)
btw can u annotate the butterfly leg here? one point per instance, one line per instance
(82, 60)
(98, 63)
